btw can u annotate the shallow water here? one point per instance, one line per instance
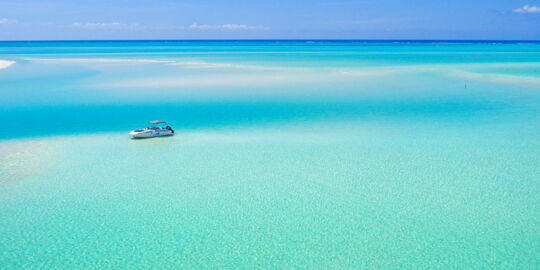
(287, 154)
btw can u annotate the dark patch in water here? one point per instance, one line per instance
(48, 121)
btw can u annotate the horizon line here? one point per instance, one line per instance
(349, 40)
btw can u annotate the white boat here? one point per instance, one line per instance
(158, 129)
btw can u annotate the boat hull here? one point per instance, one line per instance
(150, 134)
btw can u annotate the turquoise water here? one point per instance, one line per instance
(288, 154)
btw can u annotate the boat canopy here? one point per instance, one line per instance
(157, 122)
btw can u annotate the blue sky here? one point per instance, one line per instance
(266, 19)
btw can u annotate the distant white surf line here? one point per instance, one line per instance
(97, 60)
(284, 76)
(217, 65)
(191, 65)
(270, 76)
(515, 80)
(178, 63)
(6, 63)
(202, 64)
(213, 65)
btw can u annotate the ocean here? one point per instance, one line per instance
(287, 154)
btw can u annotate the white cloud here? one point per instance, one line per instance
(112, 26)
(226, 27)
(527, 9)
(7, 21)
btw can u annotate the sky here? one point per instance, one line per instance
(269, 19)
